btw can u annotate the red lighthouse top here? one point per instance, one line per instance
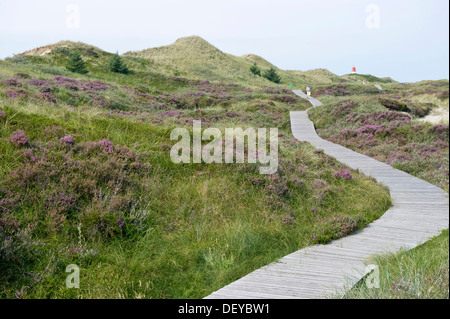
(354, 70)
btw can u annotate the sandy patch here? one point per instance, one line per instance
(439, 115)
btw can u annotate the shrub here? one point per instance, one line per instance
(62, 50)
(117, 65)
(67, 140)
(76, 64)
(336, 227)
(272, 75)
(18, 138)
(394, 105)
(255, 69)
(344, 174)
(443, 95)
(421, 110)
(91, 53)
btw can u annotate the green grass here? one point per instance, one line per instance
(207, 225)
(420, 273)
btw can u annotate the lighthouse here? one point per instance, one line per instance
(353, 70)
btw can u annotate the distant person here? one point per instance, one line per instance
(308, 91)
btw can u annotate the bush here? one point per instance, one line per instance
(421, 110)
(272, 75)
(394, 105)
(62, 50)
(116, 65)
(255, 69)
(76, 64)
(443, 95)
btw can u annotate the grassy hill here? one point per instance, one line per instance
(190, 57)
(194, 57)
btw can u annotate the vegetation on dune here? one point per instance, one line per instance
(390, 127)
(421, 273)
(86, 176)
(397, 138)
(196, 58)
(87, 180)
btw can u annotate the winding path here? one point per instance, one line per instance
(419, 212)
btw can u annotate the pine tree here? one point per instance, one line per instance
(255, 69)
(116, 64)
(272, 75)
(76, 64)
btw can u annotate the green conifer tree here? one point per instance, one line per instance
(76, 64)
(117, 65)
(255, 69)
(272, 75)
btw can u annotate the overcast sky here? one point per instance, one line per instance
(407, 40)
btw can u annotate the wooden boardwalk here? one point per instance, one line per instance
(420, 211)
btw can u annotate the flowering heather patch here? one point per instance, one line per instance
(91, 173)
(18, 138)
(16, 93)
(387, 116)
(320, 183)
(211, 88)
(68, 82)
(48, 97)
(67, 140)
(343, 174)
(172, 113)
(120, 222)
(8, 204)
(22, 76)
(78, 85)
(442, 131)
(335, 90)
(105, 145)
(61, 203)
(344, 108)
(189, 93)
(398, 157)
(285, 98)
(95, 86)
(12, 82)
(2, 115)
(389, 136)
(231, 114)
(100, 102)
(42, 85)
(275, 90)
